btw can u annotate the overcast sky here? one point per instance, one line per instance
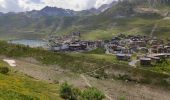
(27, 5)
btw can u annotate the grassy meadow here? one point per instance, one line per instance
(17, 86)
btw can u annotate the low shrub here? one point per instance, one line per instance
(92, 94)
(68, 92)
(4, 70)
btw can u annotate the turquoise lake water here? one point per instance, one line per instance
(30, 42)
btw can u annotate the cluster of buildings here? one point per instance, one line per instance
(124, 47)
(72, 42)
(147, 49)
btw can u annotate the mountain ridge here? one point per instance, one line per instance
(61, 12)
(124, 17)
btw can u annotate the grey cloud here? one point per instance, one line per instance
(14, 6)
(11, 6)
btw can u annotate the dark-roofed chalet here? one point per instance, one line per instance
(141, 43)
(144, 49)
(157, 49)
(77, 46)
(145, 61)
(99, 43)
(119, 49)
(124, 57)
(156, 42)
(167, 49)
(115, 40)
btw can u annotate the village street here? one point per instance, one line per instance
(133, 63)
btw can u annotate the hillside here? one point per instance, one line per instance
(104, 72)
(17, 86)
(127, 16)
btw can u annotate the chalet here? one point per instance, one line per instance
(119, 49)
(161, 49)
(56, 47)
(143, 50)
(157, 49)
(168, 55)
(167, 49)
(76, 47)
(155, 59)
(94, 44)
(65, 47)
(138, 44)
(99, 44)
(154, 49)
(145, 61)
(115, 39)
(141, 43)
(160, 55)
(106, 41)
(124, 57)
(60, 47)
(133, 48)
(156, 42)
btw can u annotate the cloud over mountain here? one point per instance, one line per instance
(27, 5)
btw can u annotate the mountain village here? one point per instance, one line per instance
(136, 48)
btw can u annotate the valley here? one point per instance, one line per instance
(118, 51)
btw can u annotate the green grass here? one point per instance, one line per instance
(163, 67)
(130, 26)
(96, 51)
(100, 34)
(102, 57)
(16, 86)
(93, 28)
(80, 63)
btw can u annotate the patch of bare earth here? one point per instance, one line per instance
(51, 74)
(130, 91)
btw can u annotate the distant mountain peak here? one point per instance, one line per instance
(61, 12)
(54, 11)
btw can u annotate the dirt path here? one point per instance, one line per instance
(85, 80)
(153, 29)
(133, 63)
